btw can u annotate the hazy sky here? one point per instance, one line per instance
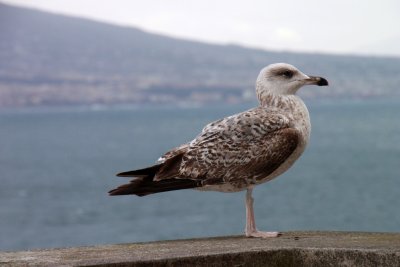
(335, 26)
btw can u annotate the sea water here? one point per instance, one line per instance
(57, 164)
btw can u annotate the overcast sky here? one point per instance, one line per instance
(333, 26)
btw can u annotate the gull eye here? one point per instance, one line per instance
(288, 74)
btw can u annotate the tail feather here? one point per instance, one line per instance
(155, 179)
(143, 186)
(149, 171)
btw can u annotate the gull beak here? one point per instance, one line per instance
(316, 80)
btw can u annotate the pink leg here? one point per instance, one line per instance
(251, 230)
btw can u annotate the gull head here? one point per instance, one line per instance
(284, 79)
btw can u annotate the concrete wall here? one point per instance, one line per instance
(290, 249)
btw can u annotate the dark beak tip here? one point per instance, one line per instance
(322, 82)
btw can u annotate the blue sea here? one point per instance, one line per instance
(57, 164)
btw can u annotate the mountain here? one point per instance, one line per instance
(50, 59)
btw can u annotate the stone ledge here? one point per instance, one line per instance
(290, 249)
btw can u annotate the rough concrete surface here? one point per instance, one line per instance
(290, 249)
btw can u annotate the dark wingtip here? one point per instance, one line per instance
(122, 174)
(322, 82)
(131, 174)
(149, 171)
(125, 190)
(112, 192)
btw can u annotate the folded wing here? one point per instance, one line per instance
(241, 150)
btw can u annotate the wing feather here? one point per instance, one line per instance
(251, 144)
(240, 150)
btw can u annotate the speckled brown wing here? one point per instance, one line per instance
(280, 145)
(173, 152)
(242, 148)
(237, 151)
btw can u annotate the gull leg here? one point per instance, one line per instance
(251, 230)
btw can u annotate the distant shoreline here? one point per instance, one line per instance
(187, 105)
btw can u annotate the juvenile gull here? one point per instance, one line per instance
(240, 151)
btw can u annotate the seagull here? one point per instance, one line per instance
(241, 151)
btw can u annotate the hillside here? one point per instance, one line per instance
(49, 59)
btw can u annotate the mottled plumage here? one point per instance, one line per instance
(239, 151)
